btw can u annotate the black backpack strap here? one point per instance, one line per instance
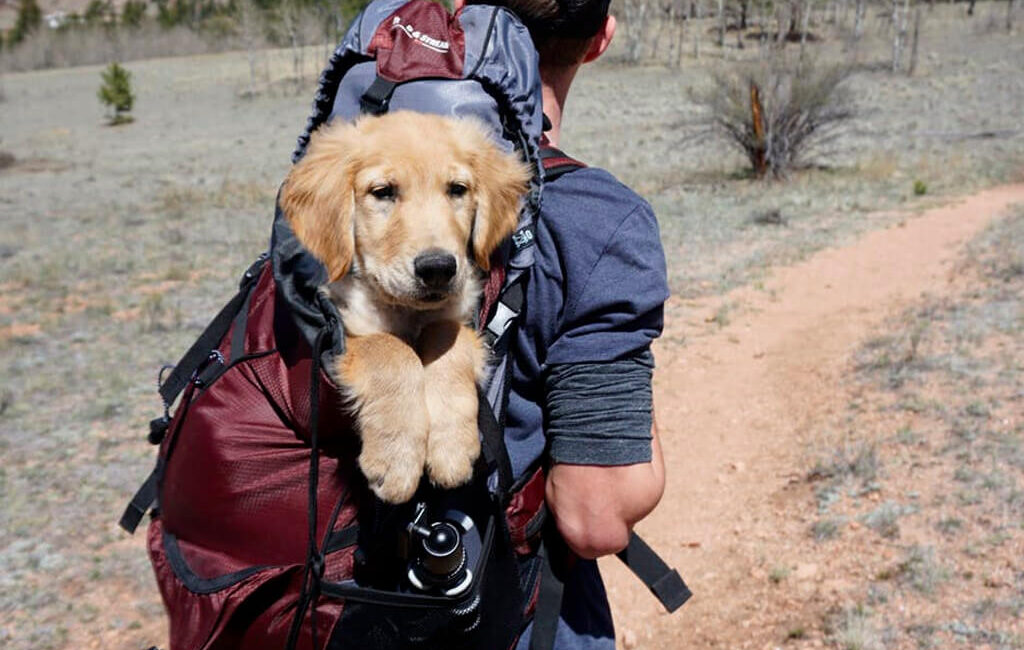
(144, 497)
(493, 445)
(549, 600)
(377, 98)
(211, 338)
(556, 163)
(664, 582)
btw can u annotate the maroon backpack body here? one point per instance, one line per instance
(227, 541)
(227, 536)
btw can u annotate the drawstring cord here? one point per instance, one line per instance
(314, 569)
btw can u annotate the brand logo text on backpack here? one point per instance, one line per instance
(425, 40)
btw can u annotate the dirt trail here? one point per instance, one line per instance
(737, 409)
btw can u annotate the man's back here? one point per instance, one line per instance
(582, 365)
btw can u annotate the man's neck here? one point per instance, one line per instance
(555, 89)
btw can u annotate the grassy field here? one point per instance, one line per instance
(118, 245)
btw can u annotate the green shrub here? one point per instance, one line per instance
(116, 93)
(920, 188)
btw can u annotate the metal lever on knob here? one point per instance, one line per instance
(438, 562)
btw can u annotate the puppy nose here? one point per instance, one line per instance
(435, 268)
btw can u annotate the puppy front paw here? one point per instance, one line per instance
(452, 452)
(393, 476)
(383, 380)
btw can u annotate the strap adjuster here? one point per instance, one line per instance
(377, 98)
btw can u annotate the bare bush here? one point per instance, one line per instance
(778, 115)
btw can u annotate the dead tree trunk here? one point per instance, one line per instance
(759, 157)
(721, 23)
(696, 31)
(805, 21)
(913, 42)
(1009, 14)
(677, 32)
(899, 32)
(782, 26)
(251, 28)
(858, 20)
(636, 26)
(291, 20)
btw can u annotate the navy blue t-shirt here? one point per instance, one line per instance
(595, 295)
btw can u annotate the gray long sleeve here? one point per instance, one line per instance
(600, 413)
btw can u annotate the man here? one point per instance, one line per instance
(581, 385)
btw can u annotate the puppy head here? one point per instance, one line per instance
(413, 199)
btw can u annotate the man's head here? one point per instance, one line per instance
(565, 32)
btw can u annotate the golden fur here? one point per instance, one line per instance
(368, 200)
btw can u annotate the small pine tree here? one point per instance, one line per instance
(116, 93)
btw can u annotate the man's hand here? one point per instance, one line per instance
(595, 507)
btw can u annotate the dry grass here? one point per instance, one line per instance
(943, 524)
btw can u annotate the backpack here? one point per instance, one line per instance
(263, 533)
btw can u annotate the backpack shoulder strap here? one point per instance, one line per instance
(664, 582)
(556, 163)
(212, 335)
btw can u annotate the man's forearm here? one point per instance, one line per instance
(595, 507)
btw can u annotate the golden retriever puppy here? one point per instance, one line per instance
(404, 210)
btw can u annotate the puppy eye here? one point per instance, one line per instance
(457, 189)
(383, 192)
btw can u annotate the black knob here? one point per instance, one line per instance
(444, 553)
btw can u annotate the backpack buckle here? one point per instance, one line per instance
(207, 371)
(377, 98)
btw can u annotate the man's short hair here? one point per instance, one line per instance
(561, 29)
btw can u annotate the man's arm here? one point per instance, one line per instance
(595, 506)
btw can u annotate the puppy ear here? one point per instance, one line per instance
(318, 201)
(502, 180)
